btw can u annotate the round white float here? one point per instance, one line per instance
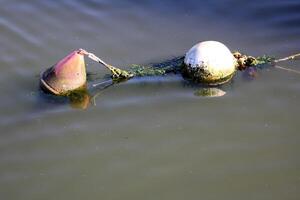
(209, 62)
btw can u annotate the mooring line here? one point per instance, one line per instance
(292, 57)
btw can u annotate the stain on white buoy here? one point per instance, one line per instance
(209, 62)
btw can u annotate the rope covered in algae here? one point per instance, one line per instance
(175, 65)
(170, 66)
(242, 62)
(81, 98)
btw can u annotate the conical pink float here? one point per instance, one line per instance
(67, 75)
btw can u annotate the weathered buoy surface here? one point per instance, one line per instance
(209, 62)
(67, 75)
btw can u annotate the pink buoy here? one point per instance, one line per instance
(67, 75)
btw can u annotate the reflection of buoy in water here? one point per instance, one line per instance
(79, 99)
(67, 75)
(209, 62)
(210, 92)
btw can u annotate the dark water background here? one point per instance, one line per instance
(149, 138)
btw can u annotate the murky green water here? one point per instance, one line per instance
(149, 138)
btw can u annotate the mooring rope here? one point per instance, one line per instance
(292, 57)
(117, 74)
(174, 65)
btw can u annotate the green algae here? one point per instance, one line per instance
(244, 61)
(263, 60)
(158, 69)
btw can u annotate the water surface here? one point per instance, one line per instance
(149, 138)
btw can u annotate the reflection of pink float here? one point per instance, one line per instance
(67, 75)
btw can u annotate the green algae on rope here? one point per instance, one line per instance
(244, 61)
(170, 66)
(117, 74)
(175, 65)
(208, 62)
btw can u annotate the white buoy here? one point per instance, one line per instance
(209, 62)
